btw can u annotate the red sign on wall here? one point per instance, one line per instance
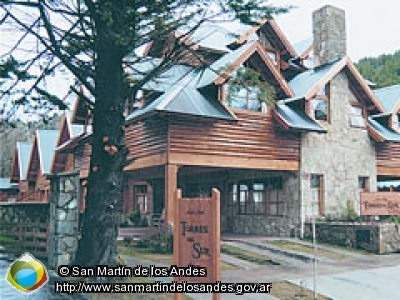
(380, 204)
(197, 235)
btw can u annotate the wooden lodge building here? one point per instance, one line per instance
(327, 137)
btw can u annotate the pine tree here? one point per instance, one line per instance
(93, 40)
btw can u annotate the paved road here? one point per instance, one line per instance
(372, 284)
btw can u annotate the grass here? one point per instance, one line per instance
(6, 238)
(354, 250)
(248, 255)
(308, 249)
(166, 259)
(288, 291)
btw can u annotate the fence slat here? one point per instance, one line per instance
(24, 237)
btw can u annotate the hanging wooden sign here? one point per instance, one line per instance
(197, 236)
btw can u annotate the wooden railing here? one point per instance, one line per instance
(17, 238)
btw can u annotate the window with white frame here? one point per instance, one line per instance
(395, 121)
(319, 105)
(357, 116)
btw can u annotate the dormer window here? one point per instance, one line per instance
(319, 105)
(357, 116)
(319, 109)
(244, 98)
(396, 122)
(246, 90)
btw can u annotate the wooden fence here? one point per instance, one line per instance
(25, 237)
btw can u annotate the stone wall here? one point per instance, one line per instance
(24, 213)
(64, 218)
(380, 238)
(341, 155)
(285, 226)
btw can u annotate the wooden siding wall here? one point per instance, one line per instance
(388, 159)
(5, 195)
(255, 135)
(82, 159)
(146, 138)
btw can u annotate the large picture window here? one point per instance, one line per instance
(257, 197)
(244, 98)
(247, 90)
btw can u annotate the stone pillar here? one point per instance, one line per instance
(64, 218)
(329, 31)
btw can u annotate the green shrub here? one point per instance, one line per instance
(135, 217)
(350, 214)
(161, 243)
(395, 219)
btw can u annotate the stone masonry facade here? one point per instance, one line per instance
(64, 218)
(345, 152)
(285, 225)
(341, 156)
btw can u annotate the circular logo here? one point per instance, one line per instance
(27, 274)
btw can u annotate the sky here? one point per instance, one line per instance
(372, 25)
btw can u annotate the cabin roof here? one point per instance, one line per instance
(77, 129)
(163, 81)
(389, 97)
(215, 37)
(384, 132)
(23, 152)
(297, 119)
(211, 73)
(303, 46)
(304, 82)
(46, 143)
(5, 184)
(185, 98)
(307, 84)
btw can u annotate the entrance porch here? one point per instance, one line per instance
(253, 202)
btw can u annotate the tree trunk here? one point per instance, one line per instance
(105, 182)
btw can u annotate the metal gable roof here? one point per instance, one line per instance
(216, 37)
(47, 140)
(302, 46)
(297, 119)
(184, 98)
(387, 133)
(211, 73)
(388, 96)
(24, 153)
(5, 184)
(77, 129)
(162, 82)
(303, 82)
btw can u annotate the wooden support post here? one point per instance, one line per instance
(171, 184)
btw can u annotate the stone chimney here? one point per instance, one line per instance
(329, 32)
